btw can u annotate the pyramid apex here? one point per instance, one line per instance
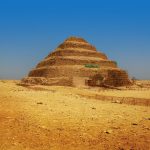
(76, 43)
(76, 39)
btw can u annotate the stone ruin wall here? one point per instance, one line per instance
(117, 78)
(60, 81)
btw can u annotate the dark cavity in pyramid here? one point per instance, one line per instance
(75, 62)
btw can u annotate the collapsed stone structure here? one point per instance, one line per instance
(75, 62)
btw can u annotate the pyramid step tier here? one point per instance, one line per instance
(77, 52)
(85, 46)
(76, 61)
(56, 75)
(60, 71)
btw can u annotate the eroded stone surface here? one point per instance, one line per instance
(75, 62)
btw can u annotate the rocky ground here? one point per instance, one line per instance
(60, 118)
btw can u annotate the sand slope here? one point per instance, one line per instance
(45, 118)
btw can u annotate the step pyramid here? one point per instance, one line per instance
(75, 62)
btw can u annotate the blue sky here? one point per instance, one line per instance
(31, 29)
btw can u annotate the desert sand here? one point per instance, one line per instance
(61, 118)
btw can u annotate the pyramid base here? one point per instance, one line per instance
(114, 78)
(60, 81)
